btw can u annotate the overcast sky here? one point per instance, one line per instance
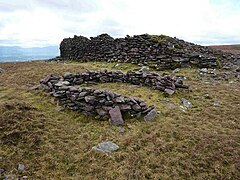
(46, 22)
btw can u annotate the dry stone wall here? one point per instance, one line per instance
(100, 103)
(160, 52)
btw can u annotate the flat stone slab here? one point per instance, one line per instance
(2, 70)
(116, 116)
(151, 115)
(106, 147)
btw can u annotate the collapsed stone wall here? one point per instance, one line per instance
(97, 102)
(159, 52)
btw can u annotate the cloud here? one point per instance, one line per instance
(47, 22)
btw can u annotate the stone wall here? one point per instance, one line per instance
(98, 103)
(159, 52)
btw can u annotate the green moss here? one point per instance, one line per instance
(219, 64)
(158, 38)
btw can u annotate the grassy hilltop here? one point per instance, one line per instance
(202, 142)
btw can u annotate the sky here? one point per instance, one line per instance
(38, 23)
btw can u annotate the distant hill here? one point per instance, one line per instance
(16, 53)
(235, 49)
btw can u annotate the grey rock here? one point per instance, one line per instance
(106, 147)
(203, 70)
(176, 70)
(119, 99)
(101, 111)
(1, 171)
(21, 167)
(217, 104)
(90, 98)
(151, 115)
(62, 83)
(82, 94)
(24, 177)
(186, 103)
(169, 91)
(68, 75)
(125, 107)
(116, 116)
(121, 129)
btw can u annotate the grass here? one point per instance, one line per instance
(200, 143)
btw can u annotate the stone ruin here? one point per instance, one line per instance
(159, 52)
(103, 104)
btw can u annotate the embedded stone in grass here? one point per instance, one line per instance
(151, 115)
(186, 103)
(106, 147)
(21, 167)
(116, 116)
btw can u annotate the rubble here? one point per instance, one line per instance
(159, 52)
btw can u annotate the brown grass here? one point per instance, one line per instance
(235, 49)
(200, 143)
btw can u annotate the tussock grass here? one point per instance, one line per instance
(200, 143)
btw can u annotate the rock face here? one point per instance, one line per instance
(159, 52)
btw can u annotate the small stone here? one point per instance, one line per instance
(186, 103)
(144, 69)
(36, 87)
(121, 129)
(106, 147)
(21, 167)
(60, 109)
(101, 112)
(68, 75)
(119, 99)
(116, 116)
(151, 115)
(216, 104)
(176, 70)
(82, 94)
(1, 171)
(125, 107)
(169, 91)
(62, 83)
(203, 70)
(90, 99)
(136, 107)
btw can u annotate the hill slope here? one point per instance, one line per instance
(197, 143)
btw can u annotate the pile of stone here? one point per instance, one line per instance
(103, 104)
(159, 52)
(151, 79)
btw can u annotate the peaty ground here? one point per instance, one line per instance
(202, 142)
